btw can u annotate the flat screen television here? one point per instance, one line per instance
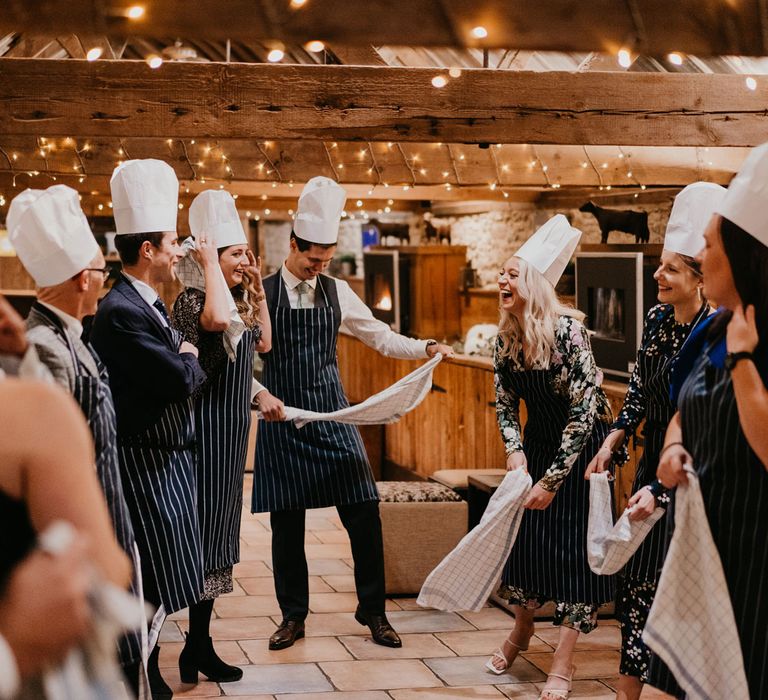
(609, 290)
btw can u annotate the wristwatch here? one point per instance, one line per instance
(732, 358)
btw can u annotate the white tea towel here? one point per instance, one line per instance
(190, 273)
(611, 546)
(388, 406)
(691, 624)
(465, 579)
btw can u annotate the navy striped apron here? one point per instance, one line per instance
(93, 395)
(734, 486)
(549, 557)
(159, 474)
(223, 420)
(654, 370)
(324, 463)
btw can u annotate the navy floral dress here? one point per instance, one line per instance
(648, 398)
(568, 418)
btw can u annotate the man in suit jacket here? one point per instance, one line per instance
(54, 243)
(153, 374)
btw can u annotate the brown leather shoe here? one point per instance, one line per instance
(381, 631)
(286, 634)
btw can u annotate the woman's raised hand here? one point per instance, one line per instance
(205, 252)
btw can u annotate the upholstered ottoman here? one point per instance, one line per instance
(421, 522)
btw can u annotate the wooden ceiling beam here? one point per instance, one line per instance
(350, 103)
(701, 27)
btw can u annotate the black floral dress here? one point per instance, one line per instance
(648, 397)
(568, 418)
(222, 423)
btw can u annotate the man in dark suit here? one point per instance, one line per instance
(153, 374)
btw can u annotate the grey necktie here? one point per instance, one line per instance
(302, 288)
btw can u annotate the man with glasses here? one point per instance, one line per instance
(54, 242)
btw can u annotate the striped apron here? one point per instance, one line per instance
(223, 419)
(324, 463)
(549, 557)
(93, 395)
(158, 469)
(734, 487)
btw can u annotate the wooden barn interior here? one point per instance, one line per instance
(456, 128)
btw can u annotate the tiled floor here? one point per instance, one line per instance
(442, 657)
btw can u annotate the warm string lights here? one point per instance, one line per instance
(274, 168)
(330, 160)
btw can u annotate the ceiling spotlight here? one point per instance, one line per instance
(624, 58)
(314, 46)
(675, 58)
(154, 61)
(439, 81)
(94, 54)
(454, 72)
(296, 4)
(135, 12)
(479, 32)
(275, 55)
(751, 83)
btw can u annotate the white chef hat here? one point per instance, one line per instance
(551, 247)
(746, 201)
(214, 213)
(319, 211)
(145, 196)
(50, 234)
(691, 212)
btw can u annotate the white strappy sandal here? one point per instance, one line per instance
(499, 654)
(558, 693)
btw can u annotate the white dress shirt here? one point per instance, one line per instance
(147, 294)
(9, 671)
(356, 320)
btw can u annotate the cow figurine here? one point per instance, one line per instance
(634, 222)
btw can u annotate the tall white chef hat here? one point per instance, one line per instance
(145, 196)
(214, 213)
(319, 211)
(50, 234)
(691, 212)
(551, 247)
(746, 201)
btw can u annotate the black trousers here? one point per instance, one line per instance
(289, 562)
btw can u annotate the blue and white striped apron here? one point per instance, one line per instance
(93, 395)
(223, 419)
(159, 475)
(324, 463)
(549, 557)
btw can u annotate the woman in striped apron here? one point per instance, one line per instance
(723, 409)
(226, 330)
(543, 357)
(667, 327)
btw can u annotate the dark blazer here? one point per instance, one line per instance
(146, 370)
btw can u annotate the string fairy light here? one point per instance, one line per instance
(591, 162)
(453, 165)
(272, 165)
(407, 164)
(330, 160)
(544, 169)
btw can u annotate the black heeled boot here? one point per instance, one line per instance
(160, 689)
(198, 655)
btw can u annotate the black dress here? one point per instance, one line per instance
(648, 397)
(568, 418)
(734, 487)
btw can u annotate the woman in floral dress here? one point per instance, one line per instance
(543, 357)
(667, 327)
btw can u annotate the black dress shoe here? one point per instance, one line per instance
(381, 631)
(198, 655)
(285, 635)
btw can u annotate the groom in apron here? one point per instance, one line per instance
(53, 240)
(322, 464)
(153, 374)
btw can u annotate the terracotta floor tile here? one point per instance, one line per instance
(602, 639)
(650, 693)
(408, 604)
(203, 689)
(471, 670)
(260, 537)
(279, 678)
(258, 585)
(322, 567)
(428, 621)
(238, 628)
(235, 592)
(343, 583)
(320, 524)
(327, 551)
(332, 624)
(520, 691)
(490, 619)
(333, 602)
(248, 606)
(379, 675)
(481, 692)
(339, 695)
(415, 646)
(594, 690)
(332, 536)
(170, 632)
(589, 664)
(308, 650)
(229, 651)
(257, 552)
(251, 569)
(482, 642)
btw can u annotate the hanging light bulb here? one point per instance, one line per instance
(624, 58)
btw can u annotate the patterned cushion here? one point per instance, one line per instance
(415, 492)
